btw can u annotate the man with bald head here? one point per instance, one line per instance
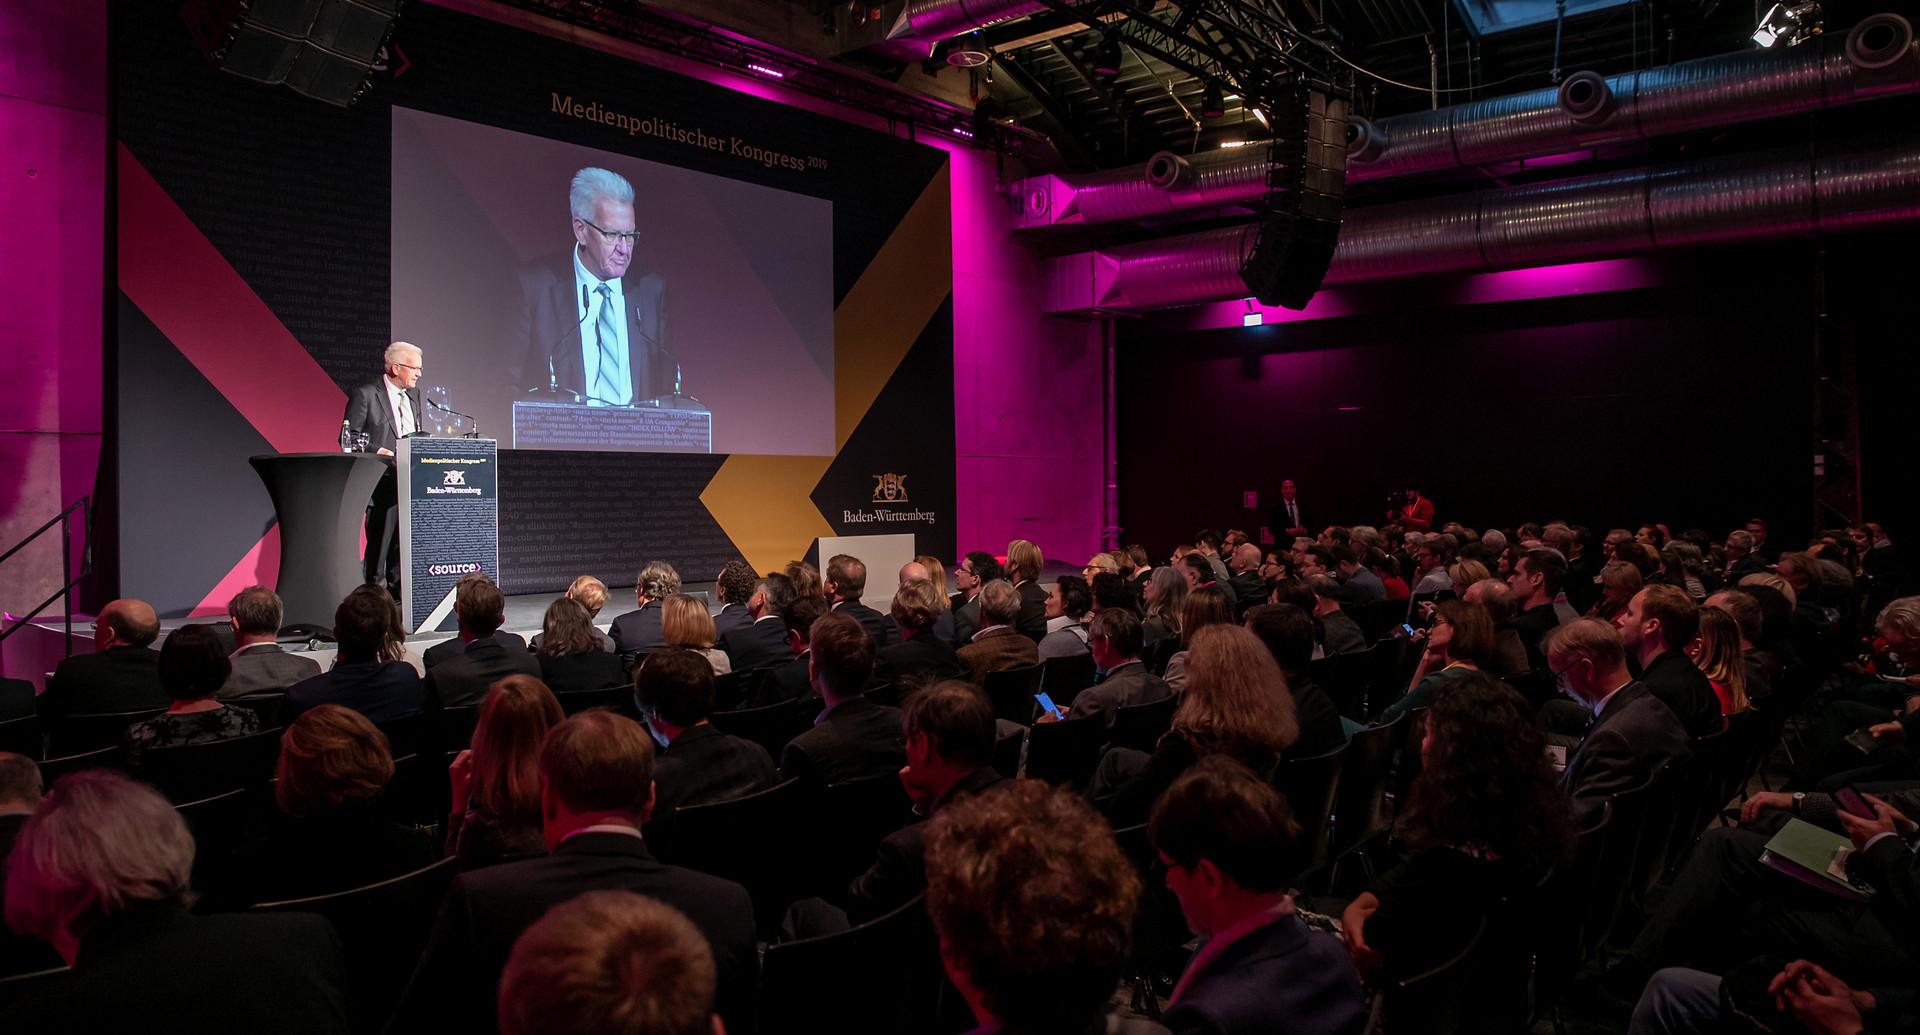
(1249, 589)
(386, 411)
(121, 675)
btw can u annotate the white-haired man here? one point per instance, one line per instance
(386, 411)
(594, 324)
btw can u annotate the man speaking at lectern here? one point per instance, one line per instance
(387, 411)
(593, 326)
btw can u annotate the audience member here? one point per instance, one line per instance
(998, 645)
(101, 871)
(1460, 642)
(697, 764)
(570, 651)
(380, 690)
(610, 963)
(1067, 607)
(1357, 584)
(259, 665)
(1033, 903)
(462, 680)
(1109, 591)
(1227, 839)
(1535, 582)
(121, 675)
(1386, 568)
(192, 669)
(853, 737)
(921, 657)
(806, 581)
(1633, 735)
(20, 791)
(1165, 596)
(1207, 544)
(1430, 560)
(846, 582)
(1248, 586)
(685, 623)
(596, 791)
(764, 641)
(1619, 581)
(1340, 634)
(1208, 606)
(1114, 641)
(975, 570)
(484, 626)
(1287, 632)
(1715, 651)
(1023, 568)
(638, 631)
(1657, 626)
(1461, 574)
(928, 569)
(734, 587)
(1741, 606)
(792, 680)
(495, 782)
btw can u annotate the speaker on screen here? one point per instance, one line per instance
(324, 49)
(1306, 186)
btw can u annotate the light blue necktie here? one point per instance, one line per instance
(603, 387)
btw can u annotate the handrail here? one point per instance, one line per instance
(64, 519)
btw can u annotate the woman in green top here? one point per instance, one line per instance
(1460, 641)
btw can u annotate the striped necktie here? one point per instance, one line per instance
(603, 387)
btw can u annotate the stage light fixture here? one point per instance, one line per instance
(968, 51)
(1789, 23)
(1212, 105)
(1106, 56)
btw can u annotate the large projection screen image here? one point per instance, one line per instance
(698, 319)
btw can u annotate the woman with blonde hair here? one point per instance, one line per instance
(1205, 606)
(806, 580)
(1716, 650)
(1619, 581)
(1465, 573)
(936, 573)
(1023, 568)
(1236, 704)
(685, 622)
(496, 781)
(1165, 595)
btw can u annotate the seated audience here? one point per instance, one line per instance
(845, 584)
(925, 568)
(1509, 657)
(853, 737)
(259, 665)
(1486, 819)
(1633, 736)
(921, 657)
(380, 690)
(764, 641)
(121, 675)
(1023, 568)
(1535, 582)
(100, 870)
(733, 587)
(1033, 903)
(791, 680)
(1715, 651)
(1462, 574)
(462, 680)
(1287, 632)
(685, 623)
(998, 645)
(596, 791)
(1227, 839)
(638, 631)
(696, 763)
(1340, 634)
(1460, 641)
(1387, 569)
(975, 570)
(330, 834)
(1236, 704)
(1619, 581)
(1741, 606)
(950, 732)
(1067, 607)
(571, 653)
(1358, 585)
(1164, 594)
(1657, 626)
(495, 783)
(610, 963)
(453, 648)
(1114, 641)
(20, 791)
(192, 669)
(1248, 586)
(1203, 607)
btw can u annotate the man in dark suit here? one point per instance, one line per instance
(763, 640)
(638, 632)
(697, 763)
(121, 675)
(593, 324)
(976, 569)
(845, 583)
(853, 737)
(1287, 631)
(462, 681)
(1248, 588)
(1535, 581)
(1656, 626)
(950, 733)
(380, 690)
(1224, 835)
(259, 665)
(387, 411)
(1288, 518)
(596, 792)
(1115, 640)
(997, 646)
(457, 645)
(792, 679)
(735, 588)
(1633, 735)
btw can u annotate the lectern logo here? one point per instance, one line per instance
(890, 488)
(454, 478)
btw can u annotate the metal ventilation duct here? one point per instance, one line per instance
(1878, 58)
(1783, 193)
(936, 20)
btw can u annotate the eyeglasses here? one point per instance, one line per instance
(1558, 672)
(415, 367)
(613, 236)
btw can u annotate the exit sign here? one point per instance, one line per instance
(1252, 500)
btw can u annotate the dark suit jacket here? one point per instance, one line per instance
(1127, 685)
(16, 699)
(453, 648)
(966, 620)
(1632, 739)
(380, 690)
(1342, 634)
(1686, 691)
(1278, 524)
(853, 739)
(453, 988)
(1533, 625)
(593, 670)
(757, 644)
(638, 632)
(545, 347)
(367, 411)
(776, 684)
(1249, 590)
(880, 627)
(264, 668)
(157, 968)
(701, 766)
(1282, 977)
(1317, 716)
(119, 679)
(328, 850)
(462, 681)
(916, 661)
(1032, 621)
(998, 651)
(899, 870)
(731, 617)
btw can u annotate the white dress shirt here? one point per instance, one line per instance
(401, 407)
(587, 294)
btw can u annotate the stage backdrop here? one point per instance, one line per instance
(257, 238)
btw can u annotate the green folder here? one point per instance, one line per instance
(1805, 852)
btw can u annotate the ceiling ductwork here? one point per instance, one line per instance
(1779, 194)
(934, 20)
(1878, 58)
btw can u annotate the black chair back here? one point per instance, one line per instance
(383, 927)
(405, 734)
(191, 772)
(730, 690)
(1062, 678)
(1006, 753)
(100, 758)
(419, 794)
(852, 818)
(1011, 692)
(901, 982)
(21, 736)
(1159, 652)
(271, 708)
(450, 729)
(1344, 677)
(1309, 785)
(77, 734)
(1160, 930)
(1360, 809)
(752, 841)
(1142, 725)
(770, 727)
(219, 825)
(1066, 753)
(884, 695)
(573, 702)
(1394, 660)
(1377, 618)
(15, 988)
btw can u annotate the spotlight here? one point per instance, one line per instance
(968, 52)
(1212, 105)
(1261, 115)
(1106, 56)
(1789, 23)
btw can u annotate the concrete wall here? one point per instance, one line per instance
(53, 117)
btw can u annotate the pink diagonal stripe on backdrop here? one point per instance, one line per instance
(192, 294)
(260, 567)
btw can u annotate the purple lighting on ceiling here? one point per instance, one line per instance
(771, 73)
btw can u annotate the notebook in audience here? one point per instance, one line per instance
(1815, 856)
